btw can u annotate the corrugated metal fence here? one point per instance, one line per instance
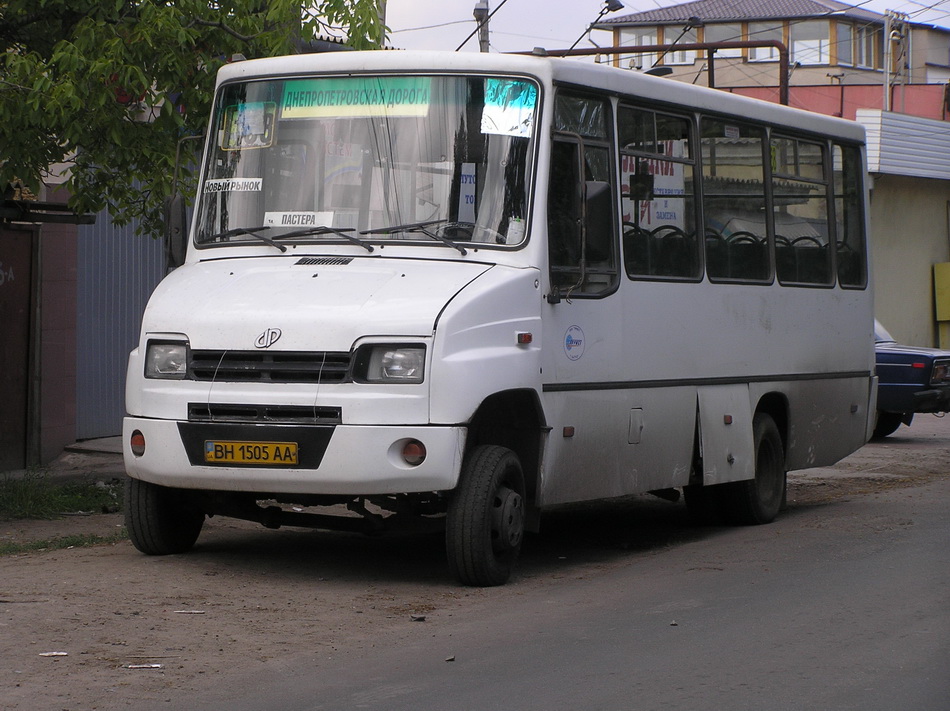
(116, 272)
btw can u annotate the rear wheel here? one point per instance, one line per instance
(485, 519)
(758, 500)
(887, 423)
(160, 520)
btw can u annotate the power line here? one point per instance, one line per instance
(431, 27)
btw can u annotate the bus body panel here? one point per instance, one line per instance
(358, 461)
(725, 426)
(229, 303)
(613, 442)
(476, 350)
(827, 419)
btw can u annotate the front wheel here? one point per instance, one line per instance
(485, 519)
(160, 520)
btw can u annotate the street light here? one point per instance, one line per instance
(609, 6)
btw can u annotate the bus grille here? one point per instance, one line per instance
(276, 367)
(282, 414)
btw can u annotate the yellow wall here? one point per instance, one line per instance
(909, 234)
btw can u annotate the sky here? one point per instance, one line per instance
(556, 24)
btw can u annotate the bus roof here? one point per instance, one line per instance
(549, 70)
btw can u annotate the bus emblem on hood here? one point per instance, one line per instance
(268, 338)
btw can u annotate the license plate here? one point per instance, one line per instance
(267, 453)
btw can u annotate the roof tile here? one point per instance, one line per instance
(741, 11)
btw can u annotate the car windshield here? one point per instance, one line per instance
(365, 159)
(881, 335)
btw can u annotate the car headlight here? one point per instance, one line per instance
(385, 363)
(166, 360)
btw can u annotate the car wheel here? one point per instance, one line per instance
(160, 520)
(485, 518)
(887, 423)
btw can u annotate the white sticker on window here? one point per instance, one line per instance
(234, 185)
(467, 193)
(298, 219)
(509, 107)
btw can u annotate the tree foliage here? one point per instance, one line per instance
(110, 86)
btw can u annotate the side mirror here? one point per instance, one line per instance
(175, 231)
(598, 220)
(176, 219)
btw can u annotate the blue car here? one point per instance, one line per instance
(911, 379)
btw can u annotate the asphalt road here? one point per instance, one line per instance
(843, 603)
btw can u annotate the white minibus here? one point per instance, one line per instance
(464, 288)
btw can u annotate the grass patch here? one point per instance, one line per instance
(52, 544)
(33, 495)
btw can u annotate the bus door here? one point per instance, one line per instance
(582, 329)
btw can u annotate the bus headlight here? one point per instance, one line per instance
(384, 363)
(168, 361)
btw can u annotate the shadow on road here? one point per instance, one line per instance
(570, 538)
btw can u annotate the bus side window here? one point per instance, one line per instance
(656, 168)
(850, 243)
(800, 211)
(736, 229)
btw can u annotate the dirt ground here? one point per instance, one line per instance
(105, 627)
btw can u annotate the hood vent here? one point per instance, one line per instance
(324, 261)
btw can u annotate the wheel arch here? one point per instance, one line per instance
(512, 419)
(776, 406)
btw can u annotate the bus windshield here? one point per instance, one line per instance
(369, 159)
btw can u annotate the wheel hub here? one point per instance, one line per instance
(507, 519)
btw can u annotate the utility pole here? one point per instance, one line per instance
(481, 17)
(381, 8)
(895, 54)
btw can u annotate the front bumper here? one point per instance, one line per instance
(361, 460)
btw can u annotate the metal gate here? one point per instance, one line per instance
(116, 272)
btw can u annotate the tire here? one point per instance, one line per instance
(485, 519)
(759, 500)
(160, 520)
(887, 423)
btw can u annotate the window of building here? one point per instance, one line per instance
(658, 200)
(727, 32)
(869, 47)
(638, 37)
(676, 35)
(736, 231)
(845, 44)
(810, 42)
(764, 31)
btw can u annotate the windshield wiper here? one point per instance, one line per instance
(253, 231)
(325, 229)
(418, 227)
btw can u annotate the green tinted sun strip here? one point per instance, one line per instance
(356, 96)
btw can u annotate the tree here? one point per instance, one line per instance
(110, 86)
